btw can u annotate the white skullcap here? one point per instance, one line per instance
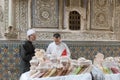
(30, 31)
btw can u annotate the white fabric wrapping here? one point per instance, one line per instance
(112, 77)
(97, 74)
(86, 76)
(24, 76)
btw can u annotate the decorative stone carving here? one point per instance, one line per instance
(45, 1)
(117, 19)
(1, 14)
(6, 13)
(101, 18)
(86, 36)
(1, 18)
(75, 3)
(17, 14)
(44, 13)
(11, 33)
(101, 3)
(23, 15)
(117, 3)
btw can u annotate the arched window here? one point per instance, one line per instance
(74, 20)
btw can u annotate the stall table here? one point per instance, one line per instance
(86, 76)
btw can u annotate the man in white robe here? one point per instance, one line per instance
(58, 47)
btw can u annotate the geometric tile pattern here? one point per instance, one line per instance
(9, 53)
(90, 49)
(9, 58)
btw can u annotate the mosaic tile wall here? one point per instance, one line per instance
(9, 60)
(9, 54)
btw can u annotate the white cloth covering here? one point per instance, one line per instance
(112, 77)
(99, 75)
(58, 49)
(86, 76)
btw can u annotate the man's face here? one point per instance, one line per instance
(32, 37)
(57, 40)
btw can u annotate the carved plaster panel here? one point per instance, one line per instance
(117, 16)
(23, 15)
(100, 15)
(2, 16)
(1, 13)
(117, 19)
(86, 36)
(75, 3)
(6, 13)
(17, 14)
(46, 16)
(45, 13)
(117, 3)
(101, 3)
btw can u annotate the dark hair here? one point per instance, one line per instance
(57, 35)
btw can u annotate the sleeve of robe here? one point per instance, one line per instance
(26, 54)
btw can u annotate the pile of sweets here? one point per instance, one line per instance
(109, 65)
(48, 65)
